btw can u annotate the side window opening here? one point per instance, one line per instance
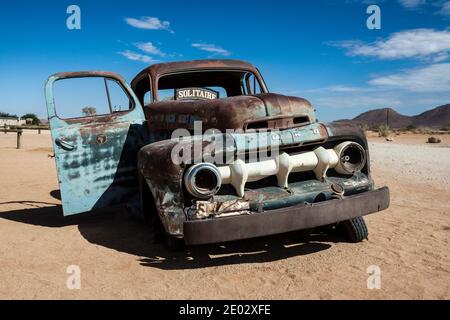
(221, 90)
(147, 98)
(142, 89)
(251, 84)
(89, 97)
(118, 99)
(166, 94)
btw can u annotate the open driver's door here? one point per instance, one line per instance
(95, 153)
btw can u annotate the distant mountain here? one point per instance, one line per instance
(434, 118)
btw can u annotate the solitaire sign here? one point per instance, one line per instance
(196, 94)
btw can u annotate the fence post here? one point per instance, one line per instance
(19, 135)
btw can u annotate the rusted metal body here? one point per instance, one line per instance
(266, 110)
(128, 157)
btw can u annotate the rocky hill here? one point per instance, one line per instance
(435, 118)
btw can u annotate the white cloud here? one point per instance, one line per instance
(440, 57)
(332, 106)
(347, 89)
(412, 3)
(427, 44)
(149, 23)
(212, 48)
(338, 89)
(350, 97)
(408, 91)
(356, 101)
(343, 101)
(445, 9)
(148, 47)
(137, 57)
(432, 78)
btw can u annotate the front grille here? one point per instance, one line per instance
(284, 167)
(278, 123)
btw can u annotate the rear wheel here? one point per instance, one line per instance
(353, 230)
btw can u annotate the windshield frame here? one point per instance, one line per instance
(257, 76)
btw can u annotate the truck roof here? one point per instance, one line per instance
(170, 67)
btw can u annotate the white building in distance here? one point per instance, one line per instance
(12, 121)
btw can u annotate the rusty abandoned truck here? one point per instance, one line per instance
(317, 176)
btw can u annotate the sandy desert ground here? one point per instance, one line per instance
(118, 260)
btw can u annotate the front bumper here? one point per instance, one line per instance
(298, 217)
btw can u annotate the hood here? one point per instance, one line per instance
(272, 111)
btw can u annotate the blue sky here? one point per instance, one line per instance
(320, 50)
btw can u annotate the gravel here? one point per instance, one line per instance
(403, 159)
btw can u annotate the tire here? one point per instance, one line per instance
(152, 219)
(353, 230)
(160, 235)
(173, 243)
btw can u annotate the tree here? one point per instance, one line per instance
(34, 118)
(89, 111)
(7, 115)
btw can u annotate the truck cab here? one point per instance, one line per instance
(205, 152)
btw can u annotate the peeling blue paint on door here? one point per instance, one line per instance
(96, 156)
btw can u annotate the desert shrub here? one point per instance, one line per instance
(383, 130)
(364, 126)
(410, 127)
(424, 130)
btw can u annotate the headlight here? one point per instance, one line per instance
(202, 180)
(352, 157)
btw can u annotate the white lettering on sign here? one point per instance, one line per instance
(196, 93)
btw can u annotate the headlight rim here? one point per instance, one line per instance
(190, 180)
(343, 167)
